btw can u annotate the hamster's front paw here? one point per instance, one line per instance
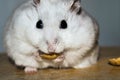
(59, 59)
(30, 70)
(37, 56)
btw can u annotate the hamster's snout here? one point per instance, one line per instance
(52, 45)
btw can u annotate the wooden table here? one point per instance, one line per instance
(100, 71)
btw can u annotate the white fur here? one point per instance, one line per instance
(23, 39)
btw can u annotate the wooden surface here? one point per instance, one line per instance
(100, 71)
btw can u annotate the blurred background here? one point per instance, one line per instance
(106, 12)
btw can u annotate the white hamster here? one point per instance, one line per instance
(52, 26)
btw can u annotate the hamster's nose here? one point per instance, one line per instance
(52, 45)
(52, 42)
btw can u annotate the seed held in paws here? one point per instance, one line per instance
(49, 56)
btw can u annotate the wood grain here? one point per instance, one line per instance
(100, 71)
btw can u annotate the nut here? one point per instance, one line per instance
(115, 61)
(49, 56)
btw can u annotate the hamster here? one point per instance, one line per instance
(52, 26)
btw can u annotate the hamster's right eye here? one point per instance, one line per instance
(39, 24)
(63, 24)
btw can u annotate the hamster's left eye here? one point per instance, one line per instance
(63, 24)
(39, 24)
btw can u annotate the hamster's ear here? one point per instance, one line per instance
(76, 6)
(36, 1)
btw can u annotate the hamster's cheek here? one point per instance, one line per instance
(66, 39)
(59, 47)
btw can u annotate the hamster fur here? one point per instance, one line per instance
(59, 26)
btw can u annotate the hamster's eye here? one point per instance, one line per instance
(39, 24)
(63, 24)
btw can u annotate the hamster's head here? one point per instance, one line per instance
(55, 24)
